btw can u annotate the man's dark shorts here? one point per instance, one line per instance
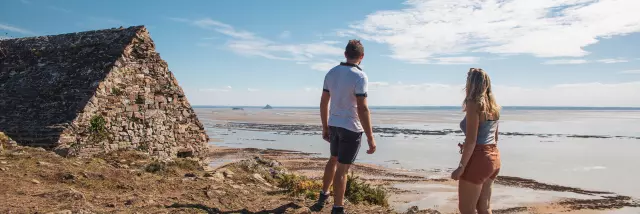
(344, 144)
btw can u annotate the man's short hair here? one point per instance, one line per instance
(354, 49)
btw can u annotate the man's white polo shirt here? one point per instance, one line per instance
(345, 83)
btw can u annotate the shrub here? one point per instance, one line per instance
(186, 164)
(156, 167)
(116, 91)
(140, 100)
(97, 124)
(299, 185)
(97, 127)
(358, 192)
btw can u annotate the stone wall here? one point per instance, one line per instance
(45, 81)
(136, 104)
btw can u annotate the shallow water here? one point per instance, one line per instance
(444, 197)
(589, 163)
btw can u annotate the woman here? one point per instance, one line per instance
(480, 162)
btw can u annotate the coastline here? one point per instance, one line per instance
(415, 170)
(312, 166)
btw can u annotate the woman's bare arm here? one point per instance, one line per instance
(473, 121)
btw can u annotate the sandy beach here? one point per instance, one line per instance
(292, 137)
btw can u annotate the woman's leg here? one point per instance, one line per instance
(484, 202)
(468, 194)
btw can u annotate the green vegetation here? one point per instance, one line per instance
(97, 127)
(97, 124)
(358, 192)
(173, 167)
(117, 91)
(156, 167)
(140, 100)
(143, 147)
(299, 185)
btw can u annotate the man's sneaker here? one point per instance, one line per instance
(337, 210)
(322, 200)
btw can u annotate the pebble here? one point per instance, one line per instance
(228, 173)
(42, 163)
(62, 212)
(3, 162)
(35, 181)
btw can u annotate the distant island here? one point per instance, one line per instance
(237, 109)
(268, 107)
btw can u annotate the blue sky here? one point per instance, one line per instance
(540, 53)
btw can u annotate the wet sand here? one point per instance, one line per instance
(426, 188)
(407, 186)
(286, 129)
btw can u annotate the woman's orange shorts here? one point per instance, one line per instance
(484, 164)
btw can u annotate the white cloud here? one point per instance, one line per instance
(224, 89)
(214, 90)
(15, 29)
(377, 84)
(285, 34)
(565, 62)
(331, 42)
(456, 60)
(249, 44)
(610, 61)
(208, 23)
(630, 72)
(428, 29)
(324, 66)
(434, 94)
(311, 89)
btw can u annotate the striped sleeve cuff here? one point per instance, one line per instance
(361, 95)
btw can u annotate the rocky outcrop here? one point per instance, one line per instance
(92, 92)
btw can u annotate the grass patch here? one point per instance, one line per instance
(299, 185)
(173, 167)
(117, 91)
(97, 127)
(97, 124)
(186, 164)
(359, 191)
(156, 167)
(140, 100)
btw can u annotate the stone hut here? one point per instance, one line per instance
(92, 92)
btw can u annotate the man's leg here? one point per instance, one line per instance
(329, 172)
(347, 153)
(340, 184)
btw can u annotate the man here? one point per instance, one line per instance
(345, 88)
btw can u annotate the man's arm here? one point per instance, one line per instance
(324, 114)
(365, 119)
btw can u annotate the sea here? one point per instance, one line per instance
(593, 148)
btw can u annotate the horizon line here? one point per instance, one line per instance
(428, 106)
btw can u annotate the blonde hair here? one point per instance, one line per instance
(478, 91)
